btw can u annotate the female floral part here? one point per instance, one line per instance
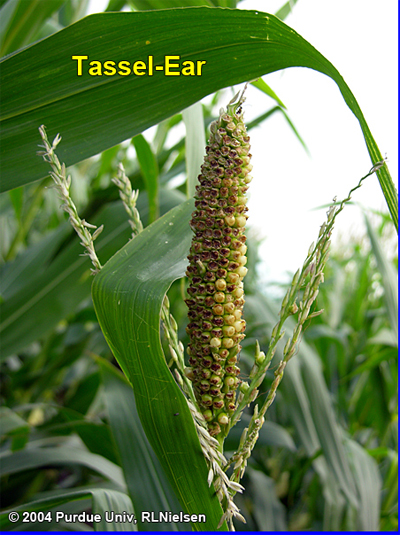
(217, 267)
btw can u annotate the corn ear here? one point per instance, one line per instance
(216, 268)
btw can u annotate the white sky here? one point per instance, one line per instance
(360, 38)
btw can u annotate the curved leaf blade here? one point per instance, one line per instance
(137, 457)
(70, 104)
(127, 295)
(265, 88)
(149, 168)
(32, 310)
(34, 458)
(389, 278)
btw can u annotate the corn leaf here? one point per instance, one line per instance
(32, 309)
(389, 278)
(36, 458)
(149, 168)
(11, 422)
(269, 511)
(15, 275)
(265, 88)
(313, 416)
(369, 485)
(40, 84)
(22, 21)
(128, 294)
(285, 10)
(144, 476)
(271, 434)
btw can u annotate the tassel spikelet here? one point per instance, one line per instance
(217, 267)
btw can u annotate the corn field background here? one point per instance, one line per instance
(75, 435)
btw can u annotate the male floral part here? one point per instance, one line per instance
(217, 268)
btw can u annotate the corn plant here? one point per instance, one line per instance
(168, 446)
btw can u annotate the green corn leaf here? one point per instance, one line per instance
(53, 293)
(271, 434)
(36, 458)
(391, 483)
(128, 294)
(22, 21)
(265, 88)
(149, 168)
(255, 122)
(17, 198)
(40, 84)
(96, 436)
(313, 416)
(328, 431)
(285, 10)
(369, 485)
(137, 457)
(7, 14)
(389, 278)
(34, 308)
(11, 422)
(269, 511)
(15, 275)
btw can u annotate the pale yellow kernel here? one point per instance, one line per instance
(231, 318)
(228, 342)
(215, 342)
(233, 277)
(237, 315)
(229, 308)
(219, 297)
(218, 310)
(240, 221)
(238, 292)
(242, 260)
(228, 330)
(223, 419)
(230, 220)
(241, 271)
(229, 380)
(242, 249)
(220, 284)
(239, 326)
